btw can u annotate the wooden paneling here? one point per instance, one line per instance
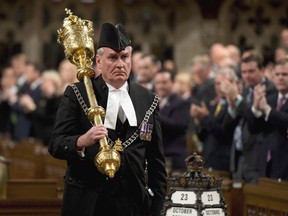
(31, 197)
(269, 197)
(30, 159)
(31, 189)
(14, 207)
(54, 168)
(26, 160)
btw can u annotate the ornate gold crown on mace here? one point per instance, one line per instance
(77, 39)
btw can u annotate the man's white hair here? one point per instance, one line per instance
(229, 71)
(101, 50)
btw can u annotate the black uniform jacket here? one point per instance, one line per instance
(83, 182)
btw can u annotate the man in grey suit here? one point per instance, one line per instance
(244, 164)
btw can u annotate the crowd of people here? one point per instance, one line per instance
(30, 96)
(229, 106)
(223, 105)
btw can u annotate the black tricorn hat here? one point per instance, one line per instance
(114, 37)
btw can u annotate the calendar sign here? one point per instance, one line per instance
(181, 211)
(184, 197)
(195, 193)
(210, 198)
(213, 212)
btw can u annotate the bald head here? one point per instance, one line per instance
(217, 53)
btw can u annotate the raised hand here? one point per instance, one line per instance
(259, 94)
(230, 90)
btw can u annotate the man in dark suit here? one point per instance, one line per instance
(245, 148)
(269, 115)
(174, 116)
(216, 139)
(87, 191)
(43, 114)
(148, 66)
(204, 89)
(31, 88)
(7, 88)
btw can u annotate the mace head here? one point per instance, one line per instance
(76, 34)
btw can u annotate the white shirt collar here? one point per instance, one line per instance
(163, 102)
(119, 98)
(35, 84)
(280, 95)
(123, 87)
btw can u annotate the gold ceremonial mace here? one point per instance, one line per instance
(77, 39)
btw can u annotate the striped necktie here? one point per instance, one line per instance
(280, 103)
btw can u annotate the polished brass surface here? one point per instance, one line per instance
(77, 38)
(118, 145)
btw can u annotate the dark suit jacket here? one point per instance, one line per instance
(5, 117)
(251, 143)
(275, 139)
(43, 118)
(22, 129)
(174, 122)
(217, 140)
(205, 92)
(83, 182)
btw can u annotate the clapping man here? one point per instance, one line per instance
(269, 116)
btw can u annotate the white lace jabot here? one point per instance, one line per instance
(119, 98)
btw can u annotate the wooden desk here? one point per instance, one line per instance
(33, 197)
(31, 189)
(12, 207)
(269, 197)
(26, 160)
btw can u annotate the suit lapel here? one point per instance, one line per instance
(140, 112)
(273, 100)
(101, 91)
(169, 106)
(138, 106)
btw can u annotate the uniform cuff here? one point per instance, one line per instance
(81, 152)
